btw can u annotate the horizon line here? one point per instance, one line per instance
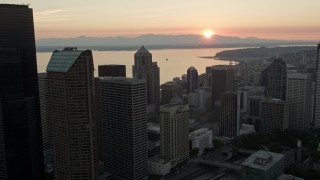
(155, 34)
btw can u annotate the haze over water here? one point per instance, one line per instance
(179, 60)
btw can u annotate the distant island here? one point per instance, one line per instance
(290, 54)
(156, 41)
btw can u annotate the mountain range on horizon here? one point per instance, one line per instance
(157, 41)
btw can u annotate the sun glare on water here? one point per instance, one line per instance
(208, 34)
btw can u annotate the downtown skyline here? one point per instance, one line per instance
(204, 97)
(287, 20)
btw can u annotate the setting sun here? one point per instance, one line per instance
(208, 34)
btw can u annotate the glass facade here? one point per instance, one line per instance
(62, 61)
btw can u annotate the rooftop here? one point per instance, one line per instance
(170, 83)
(121, 79)
(142, 51)
(191, 68)
(199, 132)
(15, 5)
(262, 160)
(256, 97)
(273, 100)
(63, 60)
(299, 75)
(112, 65)
(277, 62)
(161, 159)
(222, 67)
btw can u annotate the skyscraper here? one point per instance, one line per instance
(316, 113)
(168, 90)
(98, 124)
(19, 94)
(299, 98)
(70, 74)
(277, 79)
(254, 111)
(3, 166)
(264, 77)
(192, 79)
(222, 80)
(229, 114)
(274, 115)
(144, 68)
(124, 119)
(156, 85)
(174, 132)
(46, 119)
(113, 70)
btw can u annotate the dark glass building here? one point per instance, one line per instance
(169, 90)
(144, 68)
(124, 122)
(192, 79)
(113, 70)
(71, 84)
(222, 80)
(277, 79)
(316, 114)
(229, 114)
(19, 94)
(3, 167)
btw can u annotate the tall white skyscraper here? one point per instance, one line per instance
(124, 122)
(299, 99)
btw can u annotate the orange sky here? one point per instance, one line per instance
(276, 19)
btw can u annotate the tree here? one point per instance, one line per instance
(194, 152)
(217, 144)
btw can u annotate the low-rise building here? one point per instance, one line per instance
(247, 129)
(288, 177)
(263, 165)
(160, 165)
(201, 138)
(274, 115)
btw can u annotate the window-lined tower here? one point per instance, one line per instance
(144, 68)
(222, 80)
(316, 114)
(277, 79)
(124, 122)
(70, 74)
(19, 94)
(174, 131)
(192, 79)
(299, 99)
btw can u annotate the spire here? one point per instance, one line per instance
(142, 51)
